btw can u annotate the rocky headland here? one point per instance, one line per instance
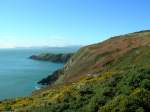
(57, 58)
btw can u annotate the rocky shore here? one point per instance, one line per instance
(56, 58)
(49, 80)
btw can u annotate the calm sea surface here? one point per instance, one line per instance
(19, 74)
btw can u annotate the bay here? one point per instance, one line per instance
(19, 74)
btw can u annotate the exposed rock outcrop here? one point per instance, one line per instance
(51, 78)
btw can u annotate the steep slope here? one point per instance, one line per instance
(112, 76)
(124, 87)
(92, 59)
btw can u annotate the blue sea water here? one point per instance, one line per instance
(19, 74)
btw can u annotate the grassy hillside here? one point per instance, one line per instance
(113, 76)
(92, 59)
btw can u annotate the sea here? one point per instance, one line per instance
(19, 74)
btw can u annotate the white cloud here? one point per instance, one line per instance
(51, 41)
(58, 41)
(6, 41)
(6, 45)
(11, 41)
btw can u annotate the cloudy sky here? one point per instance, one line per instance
(25, 23)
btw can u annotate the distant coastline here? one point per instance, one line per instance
(57, 58)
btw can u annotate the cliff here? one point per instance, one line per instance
(93, 59)
(111, 76)
(49, 80)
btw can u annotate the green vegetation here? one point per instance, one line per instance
(124, 88)
(59, 58)
(121, 85)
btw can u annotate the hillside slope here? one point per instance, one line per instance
(103, 79)
(92, 59)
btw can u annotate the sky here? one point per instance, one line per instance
(26, 23)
